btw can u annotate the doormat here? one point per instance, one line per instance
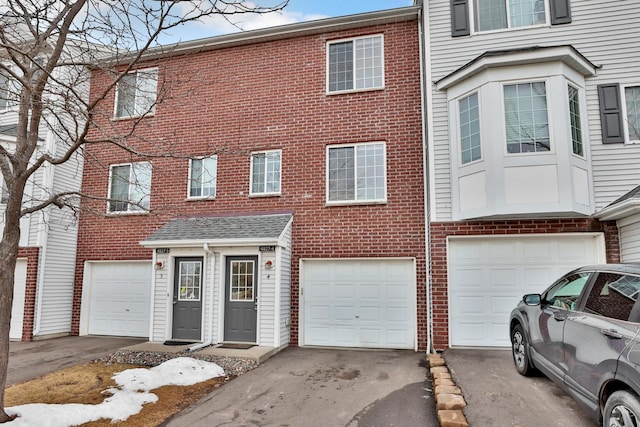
(178, 343)
(235, 346)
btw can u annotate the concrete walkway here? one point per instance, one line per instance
(322, 387)
(28, 360)
(498, 396)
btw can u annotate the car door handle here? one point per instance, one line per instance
(560, 317)
(611, 333)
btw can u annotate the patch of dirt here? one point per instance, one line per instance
(86, 383)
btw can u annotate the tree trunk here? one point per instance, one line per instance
(8, 257)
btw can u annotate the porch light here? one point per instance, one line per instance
(159, 265)
(268, 265)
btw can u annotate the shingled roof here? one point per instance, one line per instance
(221, 228)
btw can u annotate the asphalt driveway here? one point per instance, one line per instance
(498, 396)
(322, 387)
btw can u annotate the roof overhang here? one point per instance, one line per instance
(213, 242)
(526, 56)
(619, 211)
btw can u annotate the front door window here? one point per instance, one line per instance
(189, 281)
(242, 281)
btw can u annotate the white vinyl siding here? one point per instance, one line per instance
(355, 64)
(615, 166)
(136, 93)
(630, 239)
(285, 289)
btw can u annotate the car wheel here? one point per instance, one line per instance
(520, 351)
(622, 410)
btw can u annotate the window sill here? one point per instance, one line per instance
(125, 118)
(197, 199)
(342, 92)
(261, 195)
(355, 203)
(502, 30)
(127, 213)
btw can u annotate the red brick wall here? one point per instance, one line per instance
(441, 230)
(271, 96)
(33, 258)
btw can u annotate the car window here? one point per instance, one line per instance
(613, 295)
(566, 292)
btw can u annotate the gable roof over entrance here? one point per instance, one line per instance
(230, 230)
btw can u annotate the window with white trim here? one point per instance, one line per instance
(576, 124)
(499, 14)
(355, 64)
(356, 173)
(130, 187)
(632, 105)
(265, 172)
(202, 177)
(4, 193)
(136, 93)
(469, 112)
(526, 119)
(9, 92)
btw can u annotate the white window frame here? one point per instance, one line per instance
(214, 175)
(580, 120)
(140, 108)
(550, 104)
(354, 71)
(475, 30)
(132, 208)
(623, 106)
(264, 192)
(355, 200)
(459, 129)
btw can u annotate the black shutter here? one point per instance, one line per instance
(611, 113)
(460, 18)
(560, 11)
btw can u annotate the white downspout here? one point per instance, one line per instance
(427, 136)
(211, 258)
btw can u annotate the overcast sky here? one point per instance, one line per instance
(296, 11)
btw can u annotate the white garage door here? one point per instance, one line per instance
(120, 295)
(17, 308)
(359, 303)
(489, 275)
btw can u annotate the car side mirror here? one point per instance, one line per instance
(532, 299)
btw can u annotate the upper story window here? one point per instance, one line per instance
(136, 93)
(355, 64)
(469, 112)
(265, 172)
(8, 92)
(202, 177)
(356, 173)
(576, 122)
(4, 193)
(632, 104)
(130, 187)
(498, 14)
(525, 116)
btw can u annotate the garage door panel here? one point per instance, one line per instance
(483, 291)
(365, 300)
(119, 302)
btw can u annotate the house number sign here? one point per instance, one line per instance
(162, 250)
(267, 248)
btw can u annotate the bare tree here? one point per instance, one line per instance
(47, 48)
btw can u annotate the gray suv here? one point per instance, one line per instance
(583, 333)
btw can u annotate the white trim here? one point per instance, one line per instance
(215, 178)
(354, 89)
(474, 30)
(130, 184)
(152, 111)
(623, 111)
(264, 193)
(355, 201)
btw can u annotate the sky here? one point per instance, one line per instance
(133, 391)
(295, 11)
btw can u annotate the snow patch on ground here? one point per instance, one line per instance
(133, 391)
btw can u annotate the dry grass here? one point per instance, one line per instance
(85, 384)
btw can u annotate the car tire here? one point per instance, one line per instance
(622, 410)
(520, 351)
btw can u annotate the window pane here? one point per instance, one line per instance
(526, 120)
(196, 178)
(566, 293)
(469, 129)
(368, 62)
(273, 172)
(203, 177)
(613, 295)
(126, 96)
(4, 193)
(140, 191)
(526, 12)
(340, 66)
(370, 172)
(490, 14)
(119, 188)
(146, 90)
(341, 174)
(258, 177)
(632, 99)
(576, 126)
